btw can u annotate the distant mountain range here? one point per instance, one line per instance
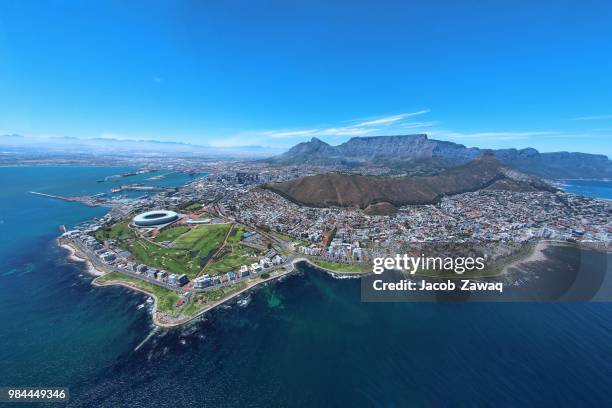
(410, 152)
(130, 147)
(380, 195)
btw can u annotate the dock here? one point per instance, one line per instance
(57, 197)
(90, 200)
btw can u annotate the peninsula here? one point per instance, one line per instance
(195, 247)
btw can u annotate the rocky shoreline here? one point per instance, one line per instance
(158, 320)
(536, 253)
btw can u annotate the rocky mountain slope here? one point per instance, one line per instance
(414, 151)
(368, 192)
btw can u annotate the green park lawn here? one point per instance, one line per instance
(193, 207)
(188, 254)
(340, 267)
(169, 259)
(170, 234)
(202, 240)
(239, 256)
(192, 307)
(236, 235)
(165, 298)
(119, 231)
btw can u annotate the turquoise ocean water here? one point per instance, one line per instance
(306, 341)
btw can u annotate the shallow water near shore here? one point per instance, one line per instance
(304, 341)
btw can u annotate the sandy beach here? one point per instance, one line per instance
(536, 254)
(73, 255)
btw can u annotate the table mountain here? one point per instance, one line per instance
(418, 151)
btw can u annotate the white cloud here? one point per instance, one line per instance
(282, 134)
(447, 134)
(415, 125)
(387, 124)
(390, 119)
(346, 131)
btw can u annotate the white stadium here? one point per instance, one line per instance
(155, 218)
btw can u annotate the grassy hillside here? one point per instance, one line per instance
(165, 297)
(352, 190)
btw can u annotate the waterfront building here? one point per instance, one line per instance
(202, 282)
(182, 280)
(108, 257)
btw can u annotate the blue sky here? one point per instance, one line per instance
(274, 73)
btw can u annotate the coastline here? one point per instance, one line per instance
(208, 308)
(336, 274)
(536, 253)
(251, 284)
(137, 289)
(92, 270)
(73, 255)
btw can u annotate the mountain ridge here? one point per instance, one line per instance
(353, 190)
(404, 150)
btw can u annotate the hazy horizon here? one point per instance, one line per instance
(245, 150)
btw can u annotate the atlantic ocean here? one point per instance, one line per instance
(305, 341)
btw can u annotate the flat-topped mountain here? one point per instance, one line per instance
(418, 151)
(367, 192)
